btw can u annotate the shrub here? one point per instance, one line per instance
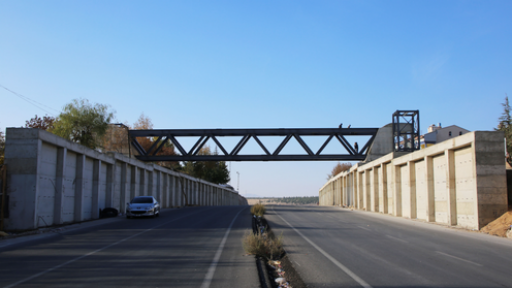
(258, 210)
(263, 245)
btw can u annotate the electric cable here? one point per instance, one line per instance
(31, 101)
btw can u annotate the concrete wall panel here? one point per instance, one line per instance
(52, 180)
(116, 197)
(47, 179)
(68, 208)
(465, 188)
(440, 194)
(102, 191)
(461, 181)
(405, 191)
(421, 191)
(87, 192)
(391, 186)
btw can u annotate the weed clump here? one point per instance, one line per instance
(258, 210)
(264, 245)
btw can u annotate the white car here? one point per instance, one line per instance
(141, 206)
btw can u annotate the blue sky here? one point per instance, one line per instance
(260, 64)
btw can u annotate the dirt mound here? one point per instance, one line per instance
(499, 226)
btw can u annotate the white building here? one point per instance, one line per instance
(437, 134)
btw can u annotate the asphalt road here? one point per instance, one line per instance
(335, 247)
(188, 247)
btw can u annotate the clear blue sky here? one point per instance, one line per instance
(260, 64)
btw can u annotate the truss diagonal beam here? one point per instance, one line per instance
(261, 144)
(164, 135)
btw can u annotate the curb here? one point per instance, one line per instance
(263, 273)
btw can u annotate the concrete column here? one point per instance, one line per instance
(214, 195)
(345, 190)
(375, 189)
(79, 187)
(59, 186)
(429, 178)
(133, 181)
(397, 191)
(412, 188)
(158, 185)
(200, 193)
(142, 182)
(111, 182)
(355, 202)
(195, 187)
(204, 195)
(384, 177)
(180, 191)
(96, 171)
(150, 185)
(165, 189)
(451, 198)
(360, 188)
(172, 191)
(187, 191)
(123, 190)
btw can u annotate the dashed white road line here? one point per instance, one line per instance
(455, 257)
(334, 261)
(364, 228)
(211, 271)
(396, 239)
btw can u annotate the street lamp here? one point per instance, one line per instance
(128, 136)
(238, 182)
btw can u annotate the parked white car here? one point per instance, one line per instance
(141, 206)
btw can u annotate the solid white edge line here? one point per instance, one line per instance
(91, 253)
(211, 271)
(334, 261)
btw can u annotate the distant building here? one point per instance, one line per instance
(437, 134)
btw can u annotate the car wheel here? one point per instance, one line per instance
(158, 215)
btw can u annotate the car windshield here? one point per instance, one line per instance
(142, 200)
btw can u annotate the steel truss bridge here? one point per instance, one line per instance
(172, 136)
(404, 138)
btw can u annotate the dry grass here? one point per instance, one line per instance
(258, 210)
(264, 245)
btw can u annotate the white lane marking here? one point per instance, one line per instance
(209, 275)
(448, 255)
(364, 228)
(334, 261)
(93, 252)
(397, 239)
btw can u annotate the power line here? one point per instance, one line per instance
(31, 101)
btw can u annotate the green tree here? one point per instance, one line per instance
(83, 123)
(505, 125)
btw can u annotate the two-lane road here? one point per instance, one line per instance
(190, 247)
(333, 247)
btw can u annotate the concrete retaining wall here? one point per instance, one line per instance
(461, 181)
(53, 181)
